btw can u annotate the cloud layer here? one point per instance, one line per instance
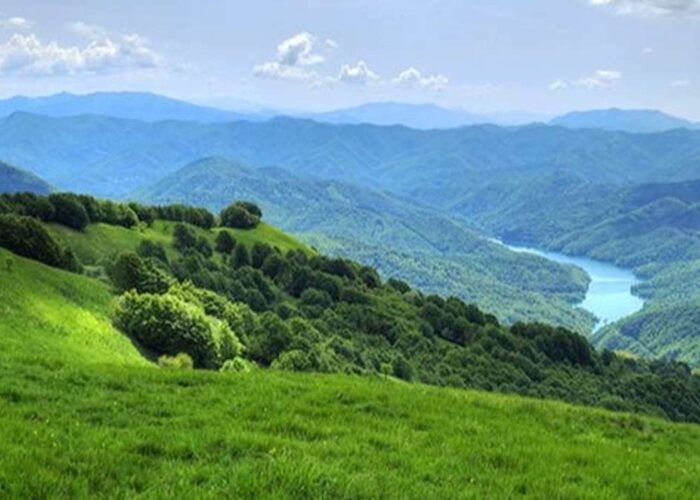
(298, 55)
(652, 7)
(602, 78)
(29, 55)
(412, 78)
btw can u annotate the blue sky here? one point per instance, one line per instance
(543, 56)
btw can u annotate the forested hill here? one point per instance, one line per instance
(110, 156)
(231, 293)
(430, 250)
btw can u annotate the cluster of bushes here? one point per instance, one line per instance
(181, 320)
(27, 237)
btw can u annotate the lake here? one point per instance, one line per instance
(609, 294)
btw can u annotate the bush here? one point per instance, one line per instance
(238, 216)
(225, 242)
(181, 361)
(184, 237)
(27, 237)
(148, 249)
(169, 325)
(236, 365)
(240, 257)
(129, 272)
(295, 360)
(69, 211)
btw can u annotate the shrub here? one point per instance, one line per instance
(225, 242)
(167, 324)
(184, 237)
(236, 365)
(129, 272)
(69, 211)
(238, 216)
(148, 249)
(181, 361)
(240, 257)
(259, 253)
(294, 360)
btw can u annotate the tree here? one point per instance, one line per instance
(251, 208)
(184, 237)
(240, 257)
(27, 237)
(149, 249)
(69, 211)
(237, 216)
(225, 242)
(130, 272)
(259, 253)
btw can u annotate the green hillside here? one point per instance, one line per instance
(435, 252)
(80, 418)
(56, 319)
(101, 240)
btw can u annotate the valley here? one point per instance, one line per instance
(610, 294)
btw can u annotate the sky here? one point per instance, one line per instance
(541, 56)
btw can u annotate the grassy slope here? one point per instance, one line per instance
(101, 239)
(74, 423)
(51, 316)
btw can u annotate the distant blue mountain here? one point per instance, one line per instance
(15, 180)
(624, 120)
(418, 116)
(130, 105)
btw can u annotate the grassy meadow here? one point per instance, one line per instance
(84, 414)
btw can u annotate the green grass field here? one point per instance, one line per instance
(83, 414)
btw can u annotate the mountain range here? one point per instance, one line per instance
(413, 202)
(152, 107)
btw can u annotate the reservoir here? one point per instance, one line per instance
(609, 294)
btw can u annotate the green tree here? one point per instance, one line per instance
(237, 216)
(69, 211)
(184, 237)
(225, 242)
(240, 257)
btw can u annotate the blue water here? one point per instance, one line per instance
(609, 294)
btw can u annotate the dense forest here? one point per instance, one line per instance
(203, 293)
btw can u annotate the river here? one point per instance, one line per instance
(609, 294)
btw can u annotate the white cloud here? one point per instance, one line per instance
(29, 55)
(85, 30)
(412, 78)
(679, 83)
(359, 74)
(602, 78)
(16, 23)
(647, 50)
(652, 7)
(275, 70)
(295, 56)
(299, 50)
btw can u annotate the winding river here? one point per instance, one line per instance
(609, 294)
